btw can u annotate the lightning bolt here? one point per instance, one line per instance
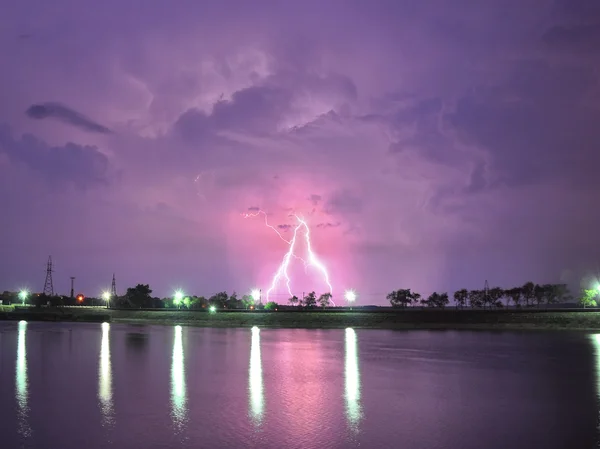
(282, 271)
(256, 214)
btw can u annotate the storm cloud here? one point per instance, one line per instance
(66, 115)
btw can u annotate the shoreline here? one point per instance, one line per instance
(391, 319)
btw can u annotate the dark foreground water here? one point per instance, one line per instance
(93, 386)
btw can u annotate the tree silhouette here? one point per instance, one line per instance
(310, 300)
(528, 293)
(294, 300)
(324, 299)
(476, 298)
(139, 296)
(515, 294)
(494, 297)
(219, 299)
(460, 297)
(436, 300)
(402, 298)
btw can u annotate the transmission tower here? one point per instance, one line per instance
(113, 288)
(48, 284)
(486, 291)
(72, 287)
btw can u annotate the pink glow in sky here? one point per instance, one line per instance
(430, 144)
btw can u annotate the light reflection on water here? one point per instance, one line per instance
(596, 343)
(21, 382)
(105, 393)
(303, 388)
(255, 380)
(352, 380)
(178, 386)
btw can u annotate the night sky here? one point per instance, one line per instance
(429, 144)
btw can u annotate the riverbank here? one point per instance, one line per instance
(376, 319)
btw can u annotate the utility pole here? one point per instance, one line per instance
(486, 293)
(48, 284)
(72, 287)
(113, 289)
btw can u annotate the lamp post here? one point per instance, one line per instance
(23, 296)
(177, 298)
(106, 297)
(256, 295)
(350, 296)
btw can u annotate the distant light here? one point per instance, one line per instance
(177, 297)
(350, 295)
(255, 294)
(23, 294)
(212, 309)
(106, 296)
(80, 297)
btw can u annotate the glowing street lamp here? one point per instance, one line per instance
(23, 294)
(350, 296)
(212, 309)
(177, 298)
(106, 297)
(256, 295)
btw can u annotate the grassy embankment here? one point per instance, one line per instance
(376, 319)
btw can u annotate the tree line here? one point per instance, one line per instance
(140, 296)
(528, 295)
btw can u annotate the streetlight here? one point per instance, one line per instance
(106, 297)
(177, 298)
(23, 296)
(256, 295)
(212, 309)
(350, 296)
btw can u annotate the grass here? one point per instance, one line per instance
(380, 319)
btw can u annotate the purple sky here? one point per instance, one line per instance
(429, 144)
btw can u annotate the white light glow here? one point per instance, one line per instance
(22, 381)
(105, 394)
(352, 380)
(178, 386)
(255, 380)
(350, 295)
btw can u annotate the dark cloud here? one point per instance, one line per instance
(253, 209)
(343, 202)
(263, 108)
(68, 164)
(315, 199)
(255, 109)
(284, 227)
(328, 225)
(66, 115)
(536, 126)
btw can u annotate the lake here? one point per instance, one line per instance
(97, 386)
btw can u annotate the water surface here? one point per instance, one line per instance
(123, 386)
